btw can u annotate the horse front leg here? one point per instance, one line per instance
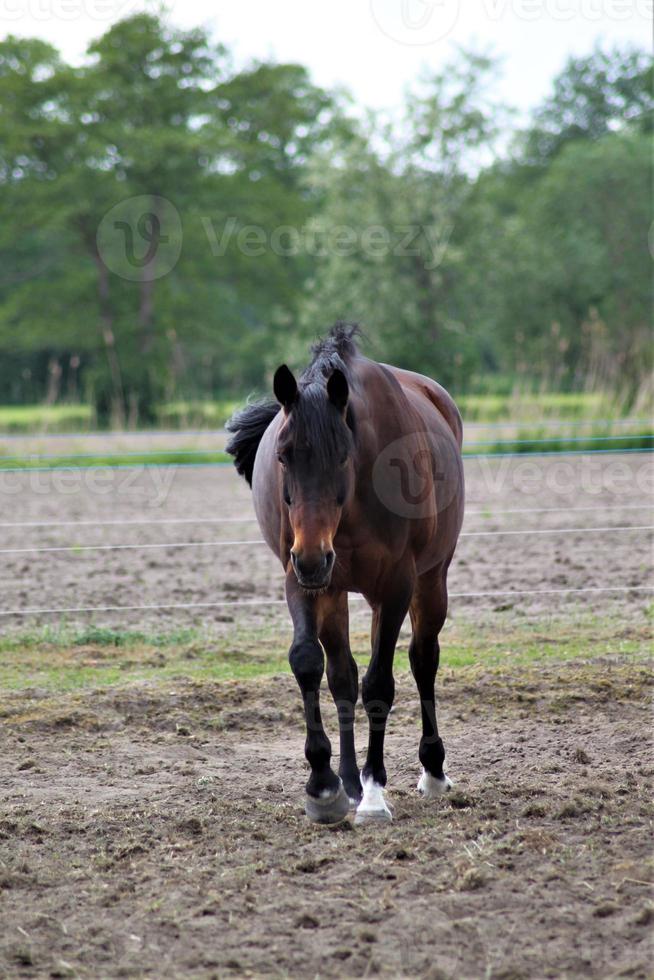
(343, 679)
(326, 799)
(378, 692)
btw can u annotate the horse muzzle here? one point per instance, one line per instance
(313, 572)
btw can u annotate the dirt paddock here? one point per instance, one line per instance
(155, 829)
(158, 831)
(150, 510)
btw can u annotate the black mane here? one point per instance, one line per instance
(314, 420)
(333, 351)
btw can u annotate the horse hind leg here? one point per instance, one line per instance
(428, 611)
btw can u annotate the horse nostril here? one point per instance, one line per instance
(313, 568)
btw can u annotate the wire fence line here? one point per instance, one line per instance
(209, 433)
(225, 463)
(259, 541)
(246, 542)
(280, 602)
(146, 521)
(147, 453)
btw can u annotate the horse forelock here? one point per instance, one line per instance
(314, 424)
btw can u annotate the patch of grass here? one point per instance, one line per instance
(546, 443)
(62, 636)
(66, 660)
(524, 407)
(209, 414)
(28, 419)
(45, 418)
(164, 458)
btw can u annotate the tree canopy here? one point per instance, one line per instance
(172, 226)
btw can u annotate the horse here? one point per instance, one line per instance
(357, 480)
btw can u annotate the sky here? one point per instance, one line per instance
(375, 48)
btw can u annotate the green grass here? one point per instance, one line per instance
(164, 458)
(203, 414)
(61, 659)
(526, 408)
(521, 409)
(34, 419)
(45, 418)
(540, 440)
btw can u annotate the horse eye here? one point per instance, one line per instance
(280, 459)
(287, 498)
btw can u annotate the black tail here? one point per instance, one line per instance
(247, 427)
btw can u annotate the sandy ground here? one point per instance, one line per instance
(158, 832)
(505, 494)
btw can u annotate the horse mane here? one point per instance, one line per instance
(314, 418)
(334, 350)
(247, 427)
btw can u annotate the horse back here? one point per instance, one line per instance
(431, 392)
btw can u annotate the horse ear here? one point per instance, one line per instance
(337, 389)
(285, 387)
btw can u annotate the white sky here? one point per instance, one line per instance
(373, 47)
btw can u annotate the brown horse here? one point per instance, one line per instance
(358, 487)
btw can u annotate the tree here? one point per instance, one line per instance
(401, 199)
(153, 127)
(594, 96)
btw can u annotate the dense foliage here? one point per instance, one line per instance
(172, 227)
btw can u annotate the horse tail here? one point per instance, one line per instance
(247, 427)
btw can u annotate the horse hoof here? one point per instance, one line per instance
(353, 790)
(372, 816)
(373, 808)
(330, 808)
(431, 787)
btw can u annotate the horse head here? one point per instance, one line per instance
(314, 448)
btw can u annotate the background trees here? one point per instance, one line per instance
(172, 227)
